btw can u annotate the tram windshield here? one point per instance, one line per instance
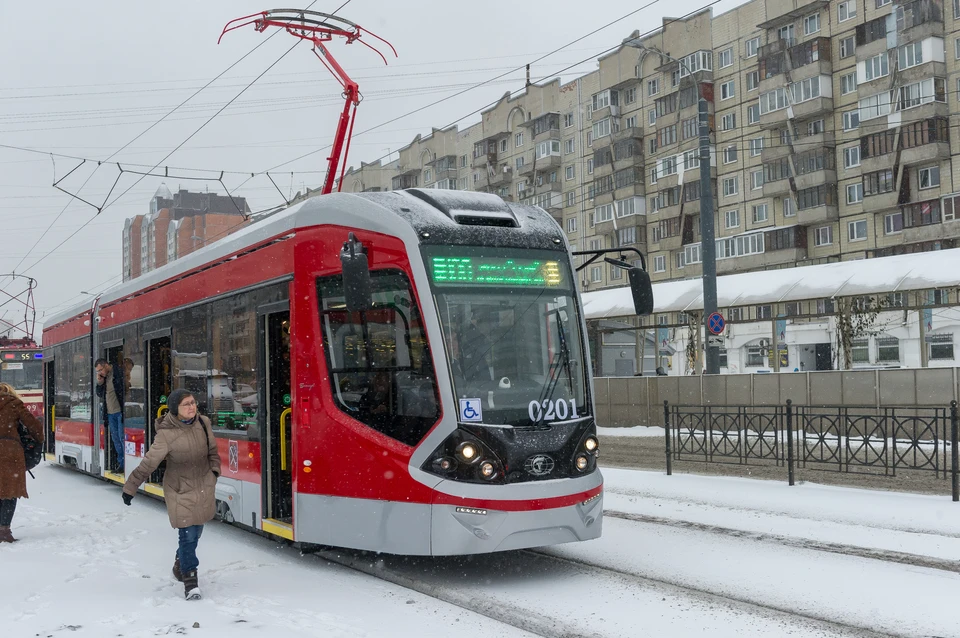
(21, 370)
(511, 328)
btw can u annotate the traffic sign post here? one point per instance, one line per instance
(716, 323)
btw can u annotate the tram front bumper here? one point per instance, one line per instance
(458, 530)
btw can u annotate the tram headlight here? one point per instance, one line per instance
(582, 462)
(445, 464)
(591, 444)
(488, 470)
(468, 452)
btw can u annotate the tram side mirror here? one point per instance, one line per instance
(642, 290)
(356, 275)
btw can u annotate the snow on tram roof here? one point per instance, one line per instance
(917, 271)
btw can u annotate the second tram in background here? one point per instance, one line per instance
(21, 366)
(405, 372)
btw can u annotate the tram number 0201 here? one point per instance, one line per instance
(550, 410)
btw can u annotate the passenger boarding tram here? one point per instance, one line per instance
(404, 372)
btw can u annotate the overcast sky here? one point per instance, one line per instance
(86, 78)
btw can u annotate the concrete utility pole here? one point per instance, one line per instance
(708, 245)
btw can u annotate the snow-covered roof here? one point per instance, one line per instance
(917, 271)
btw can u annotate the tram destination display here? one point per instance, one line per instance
(504, 271)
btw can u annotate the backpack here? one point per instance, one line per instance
(32, 451)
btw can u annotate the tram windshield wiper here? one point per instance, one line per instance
(556, 368)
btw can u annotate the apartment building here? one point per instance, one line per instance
(177, 224)
(832, 139)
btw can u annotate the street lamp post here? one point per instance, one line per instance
(708, 247)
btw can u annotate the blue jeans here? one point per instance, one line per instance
(189, 537)
(115, 421)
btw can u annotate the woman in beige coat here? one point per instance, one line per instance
(184, 439)
(13, 468)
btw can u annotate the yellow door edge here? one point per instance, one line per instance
(116, 478)
(277, 528)
(153, 488)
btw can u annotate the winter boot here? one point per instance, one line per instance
(176, 569)
(6, 536)
(191, 586)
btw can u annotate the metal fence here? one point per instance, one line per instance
(870, 440)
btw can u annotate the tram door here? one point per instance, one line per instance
(276, 416)
(159, 381)
(50, 406)
(114, 355)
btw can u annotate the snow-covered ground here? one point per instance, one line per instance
(680, 556)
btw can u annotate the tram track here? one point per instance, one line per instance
(404, 572)
(889, 556)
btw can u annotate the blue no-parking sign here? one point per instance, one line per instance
(716, 323)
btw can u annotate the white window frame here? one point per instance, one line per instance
(823, 236)
(752, 44)
(847, 10)
(569, 173)
(725, 58)
(851, 156)
(760, 213)
(731, 186)
(814, 20)
(890, 225)
(653, 86)
(728, 121)
(848, 83)
(848, 47)
(854, 229)
(730, 154)
(518, 140)
(660, 263)
(753, 114)
(731, 218)
(932, 176)
(571, 224)
(851, 120)
(752, 81)
(728, 90)
(855, 193)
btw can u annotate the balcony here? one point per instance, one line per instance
(817, 205)
(484, 159)
(776, 188)
(545, 127)
(761, 261)
(879, 202)
(406, 180)
(485, 151)
(445, 167)
(500, 177)
(627, 133)
(801, 61)
(932, 232)
(818, 214)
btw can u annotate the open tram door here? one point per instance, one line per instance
(159, 383)
(275, 419)
(113, 353)
(50, 407)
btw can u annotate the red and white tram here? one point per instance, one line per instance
(405, 372)
(21, 366)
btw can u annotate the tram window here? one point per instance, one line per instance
(233, 406)
(380, 367)
(80, 395)
(191, 370)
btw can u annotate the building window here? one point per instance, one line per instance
(521, 187)
(569, 146)
(632, 121)
(941, 346)
(572, 198)
(753, 80)
(888, 350)
(630, 95)
(569, 173)
(855, 193)
(909, 55)
(851, 120)
(590, 167)
(652, 117)
(571, 224)
(929, 177)
(785, 33)
(756, 146)
(660, 263)
(730, 155)
(847, 10)
(596, 274)
(727, 90)
(653, 175)
(756, 179)
(893, 223)
(811, 24)
(731, 186)
(773, 101)
(847, 47)
(755, 358)
(851, 156)
(860, 350)
(883, 3)
(615, 272)
(857, 231)
(732, 218)
(752, 47)
(627, 235)
(765, 312)
(725, 57)
(518, 140)
(567, 120)
(753, 114)
(848, 83)
(760, 213)
(653, 86)
(728, 122)
(823, 236)
(518, 162)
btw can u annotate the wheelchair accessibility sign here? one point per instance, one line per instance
(471, 410)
